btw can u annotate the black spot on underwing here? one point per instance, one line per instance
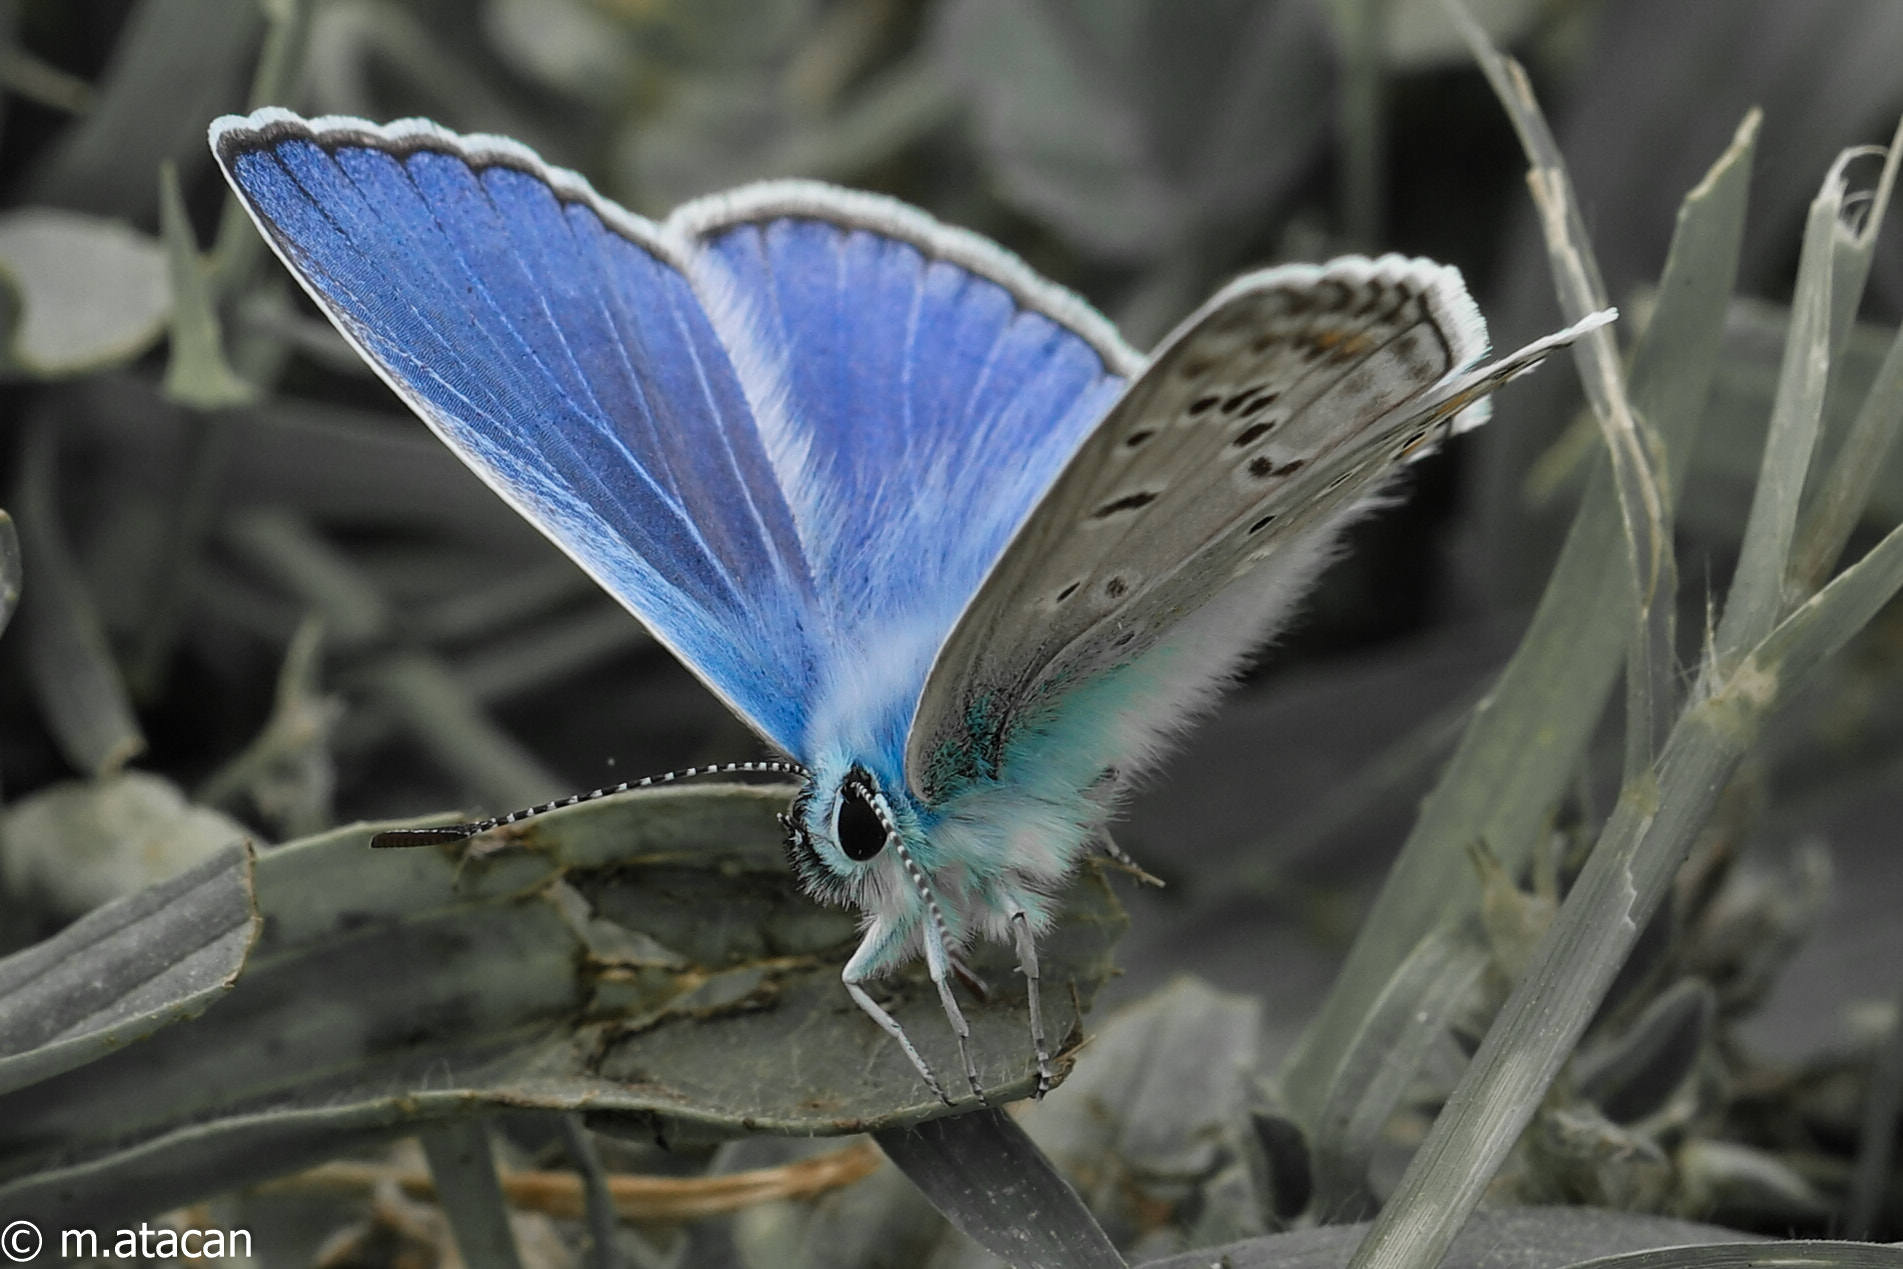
(1129, 502)
(1253, 433)
(1236, 400)
(1262, 467)
(1263, 523)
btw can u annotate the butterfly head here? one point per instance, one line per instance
(840, 834)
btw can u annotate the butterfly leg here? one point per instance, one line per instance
(937, 940)
(856, 972)
(1027, 961)
(1114, 853)
(939, 963)
(893, 1029)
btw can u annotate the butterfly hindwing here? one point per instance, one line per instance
(1269, 414)
(555, 343)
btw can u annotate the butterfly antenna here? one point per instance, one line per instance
(445, 833)
(937, 947)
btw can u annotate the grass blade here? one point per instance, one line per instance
(1634, 862)
(1409, 1020)
(994, 1184)
(1629, 871)
(10, 571)
(598, 1200)
(1812, 1253)
(470, 1193)
(1630, 442)
(1757, 597)
(1521, 748)
(1832, 512)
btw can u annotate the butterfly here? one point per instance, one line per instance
(919, 517)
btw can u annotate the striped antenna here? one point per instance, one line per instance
(400, 837)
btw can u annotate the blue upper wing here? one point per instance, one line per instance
(791, 429)
(555, 342)
(919, 390)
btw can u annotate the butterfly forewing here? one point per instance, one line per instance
(555, 342)
(1268, 413)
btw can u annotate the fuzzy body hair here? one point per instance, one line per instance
(1008, 845)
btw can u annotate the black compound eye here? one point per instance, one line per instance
(857, 825)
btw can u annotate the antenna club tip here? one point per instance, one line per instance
(400, 838)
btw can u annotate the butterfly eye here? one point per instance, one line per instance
(858, 828)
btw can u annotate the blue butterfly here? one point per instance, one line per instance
(918, 516)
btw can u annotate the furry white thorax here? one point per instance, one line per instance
(1006, 846)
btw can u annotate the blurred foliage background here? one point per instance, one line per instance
(260, 600)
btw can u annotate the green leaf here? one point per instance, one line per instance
(647, 960)
(287, 771)
(1161, 1106)
(1724, 465)
(198, 374)
(175, 65)
(377, 58)
(127, 969)
(77, 682)
(87, 292)
(78, 844)
(286, 548)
